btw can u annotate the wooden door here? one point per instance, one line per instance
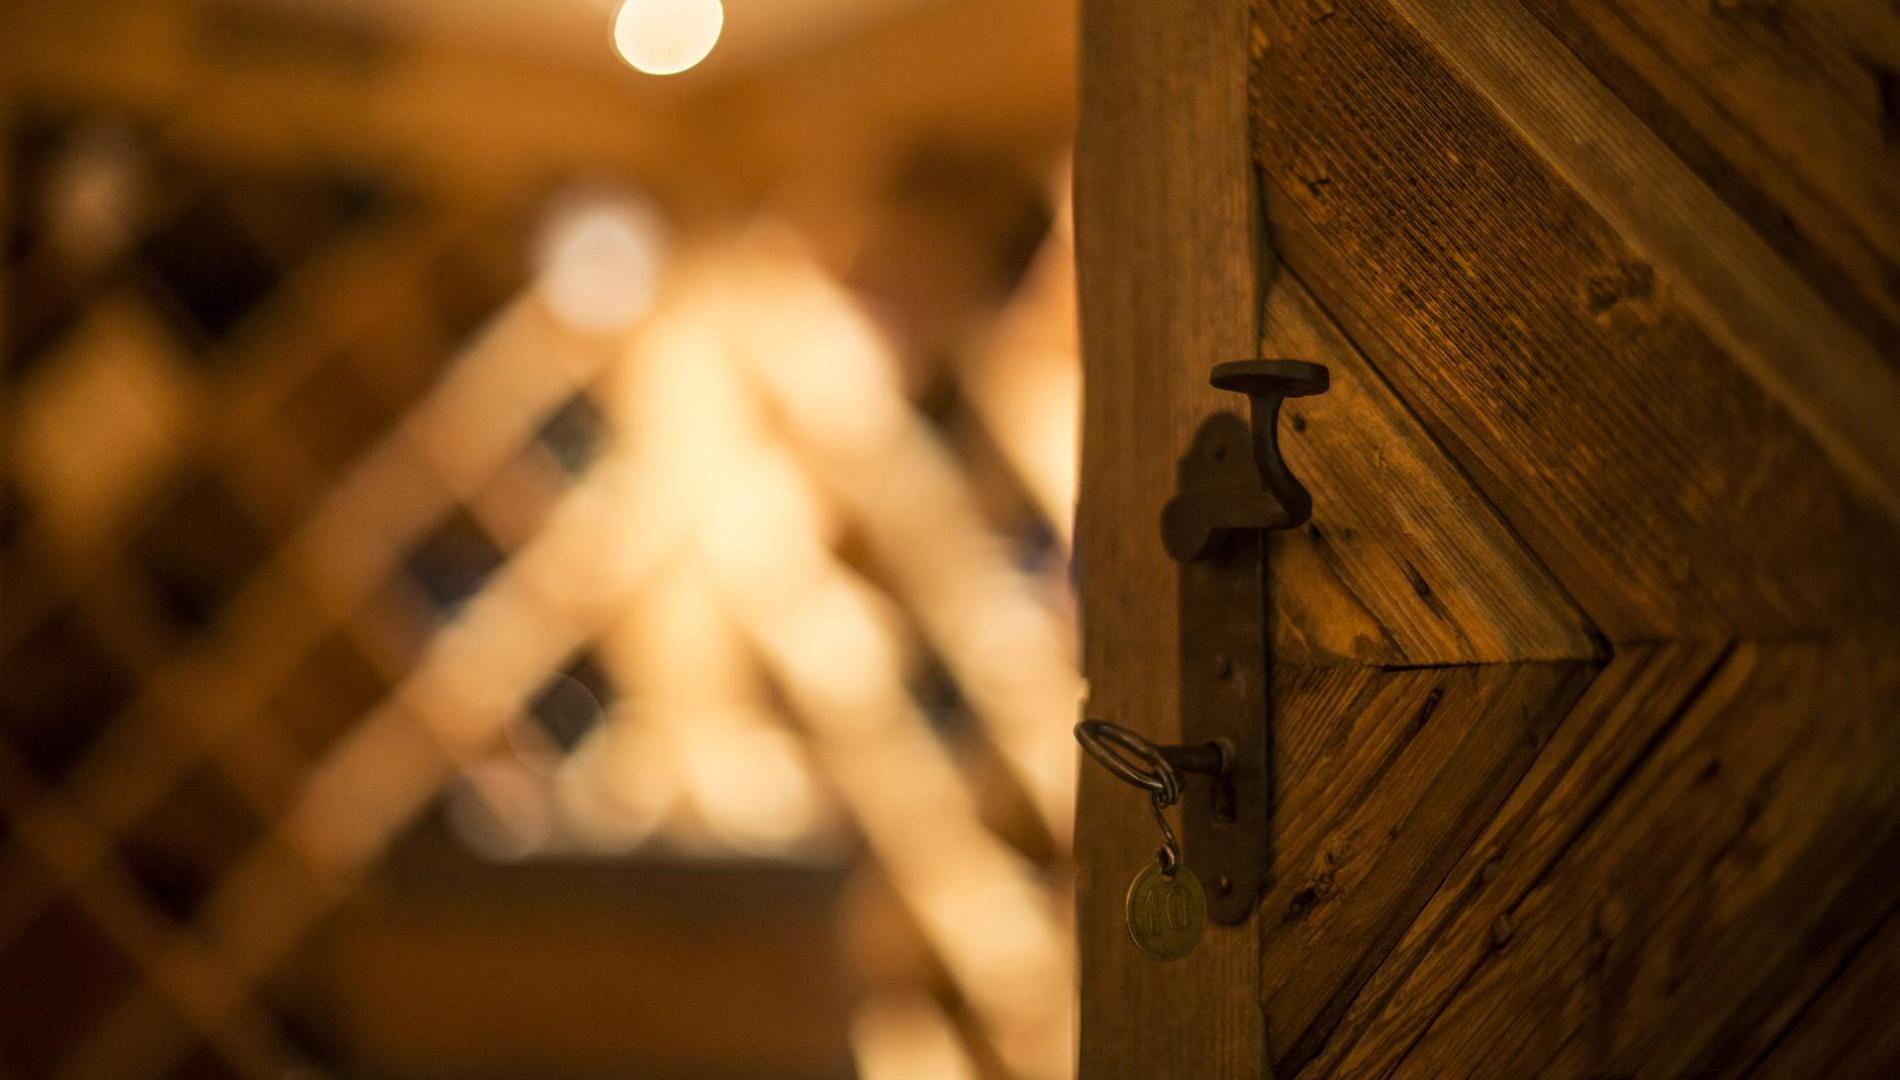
(1585, 676)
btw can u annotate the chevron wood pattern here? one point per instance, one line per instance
(1585, 720)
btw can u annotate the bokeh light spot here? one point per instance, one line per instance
(665, 37)
(600, 258)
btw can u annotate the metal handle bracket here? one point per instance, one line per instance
(1232, 488)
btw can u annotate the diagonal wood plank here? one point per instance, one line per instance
(1560, 364)
(1383, 779)
(1641, 692)
(1741, 863)
(1786, 110)
(1404, 561)
(1848, 1029)
(1835, 383)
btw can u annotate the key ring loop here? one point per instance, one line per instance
(1169, 854)
(1124, 753)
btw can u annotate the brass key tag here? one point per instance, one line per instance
(1165, 914)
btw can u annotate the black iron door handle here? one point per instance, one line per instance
(1268, 496)
(1232, 488)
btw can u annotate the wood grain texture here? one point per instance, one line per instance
(1586, 327)
(1665, 489)
(1166, 283)
(1747, 855)
(1848, 1030)
(1790, 111)
(1384, 778)
(1839, 386)
(1588, 760)
(1584, 674)
(1404, 561)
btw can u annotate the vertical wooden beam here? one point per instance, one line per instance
(1165, 224)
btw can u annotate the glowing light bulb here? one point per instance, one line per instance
(665, 37)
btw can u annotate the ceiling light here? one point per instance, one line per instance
(665, 37)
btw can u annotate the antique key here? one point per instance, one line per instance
(1166, 908)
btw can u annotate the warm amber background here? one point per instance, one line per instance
(401, 675)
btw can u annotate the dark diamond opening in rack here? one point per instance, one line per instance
(454, 560)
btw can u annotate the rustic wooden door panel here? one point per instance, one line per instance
(1585, 675)
(1667, 491)
(1642, 692)
(1790, 111)
(1404, 561)
(1848, 1029)
(1754, 845)
(1836, 383)
(1383, 778)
